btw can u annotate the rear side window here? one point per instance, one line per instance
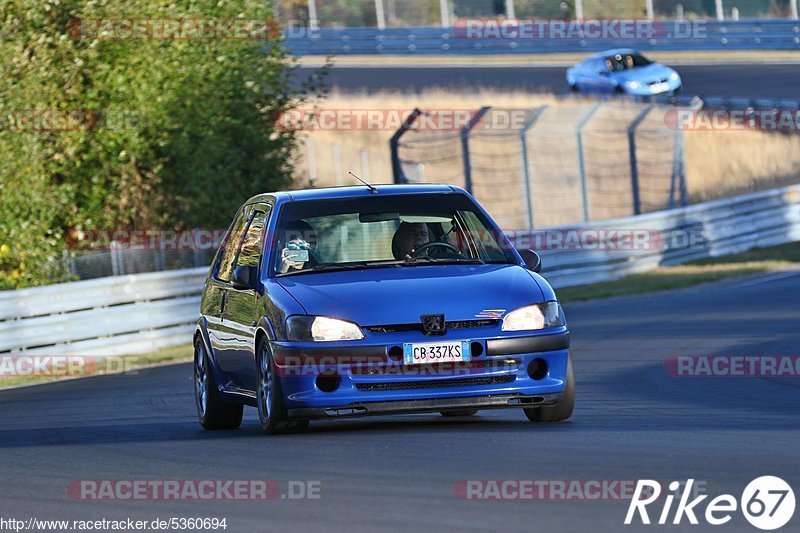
(231, 247)
(250, 253)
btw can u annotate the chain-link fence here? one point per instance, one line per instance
(554, 165)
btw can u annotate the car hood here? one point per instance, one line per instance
(387, 296)
(649, 74)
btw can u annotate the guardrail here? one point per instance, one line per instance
(104, 317)
(751, 34)
(141, 313)
(711, 229)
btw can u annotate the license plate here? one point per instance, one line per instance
(660, 87)
(437, 352)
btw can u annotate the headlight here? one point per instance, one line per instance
(533, 317)
(632, 84)
(674, 76)
(321, 329)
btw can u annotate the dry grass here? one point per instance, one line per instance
(719, 163)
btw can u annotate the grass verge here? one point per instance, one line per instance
(77, 366)
(695, 273)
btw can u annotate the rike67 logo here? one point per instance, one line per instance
(767, 503)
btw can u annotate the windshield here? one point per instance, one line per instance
(388, 231)
(620, 62)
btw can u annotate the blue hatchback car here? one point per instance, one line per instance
(623, 71)
(357, 301)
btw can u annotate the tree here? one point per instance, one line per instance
(99, 131)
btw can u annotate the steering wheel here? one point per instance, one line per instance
(425, 247)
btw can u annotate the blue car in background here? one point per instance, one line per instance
(355, 301)
(623, 71)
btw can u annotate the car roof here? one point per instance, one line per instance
(352, 191)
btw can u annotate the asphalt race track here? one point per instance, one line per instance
(632, 421)
(761, 80)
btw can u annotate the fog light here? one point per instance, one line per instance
(328, 382)
(537, 369)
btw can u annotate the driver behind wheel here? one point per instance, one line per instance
(408, 238)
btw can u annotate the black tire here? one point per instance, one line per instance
(271, 408)
(562, 411)
(212, 412)
(573, 87)
(462, 412)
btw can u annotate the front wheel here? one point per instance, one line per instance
(562, 411)
(211, 410)
(271, 409)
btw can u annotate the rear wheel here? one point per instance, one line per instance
(462, 412)
(211, 410)
(271, 409)
(562, 411)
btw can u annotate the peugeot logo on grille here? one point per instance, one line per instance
(433, 324)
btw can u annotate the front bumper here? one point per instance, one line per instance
(370, 380)
(432, 405)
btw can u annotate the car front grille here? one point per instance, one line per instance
(407, 385)
(432, 369)
(456, 324)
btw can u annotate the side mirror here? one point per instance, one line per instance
(245, 278)
(532, 260)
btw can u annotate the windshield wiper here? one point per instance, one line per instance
(339, 267)
(436, 260)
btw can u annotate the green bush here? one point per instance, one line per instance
(171, 133)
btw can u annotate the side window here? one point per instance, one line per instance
(231, 246)
(250, 253)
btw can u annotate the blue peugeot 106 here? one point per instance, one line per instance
(356, 301)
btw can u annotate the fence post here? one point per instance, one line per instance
(465, 131)
(637, 205)
(313, 21)
(365, 166)
(380, 14)
(394, 145)
(337, 163)
(582, 158)
(311, 160)
(116, 263)
(511, 12)
(682, 170)
(444, 10)
(526, 173)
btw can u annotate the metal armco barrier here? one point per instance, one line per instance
(106, 316)
(141, 313)
(752, 34)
